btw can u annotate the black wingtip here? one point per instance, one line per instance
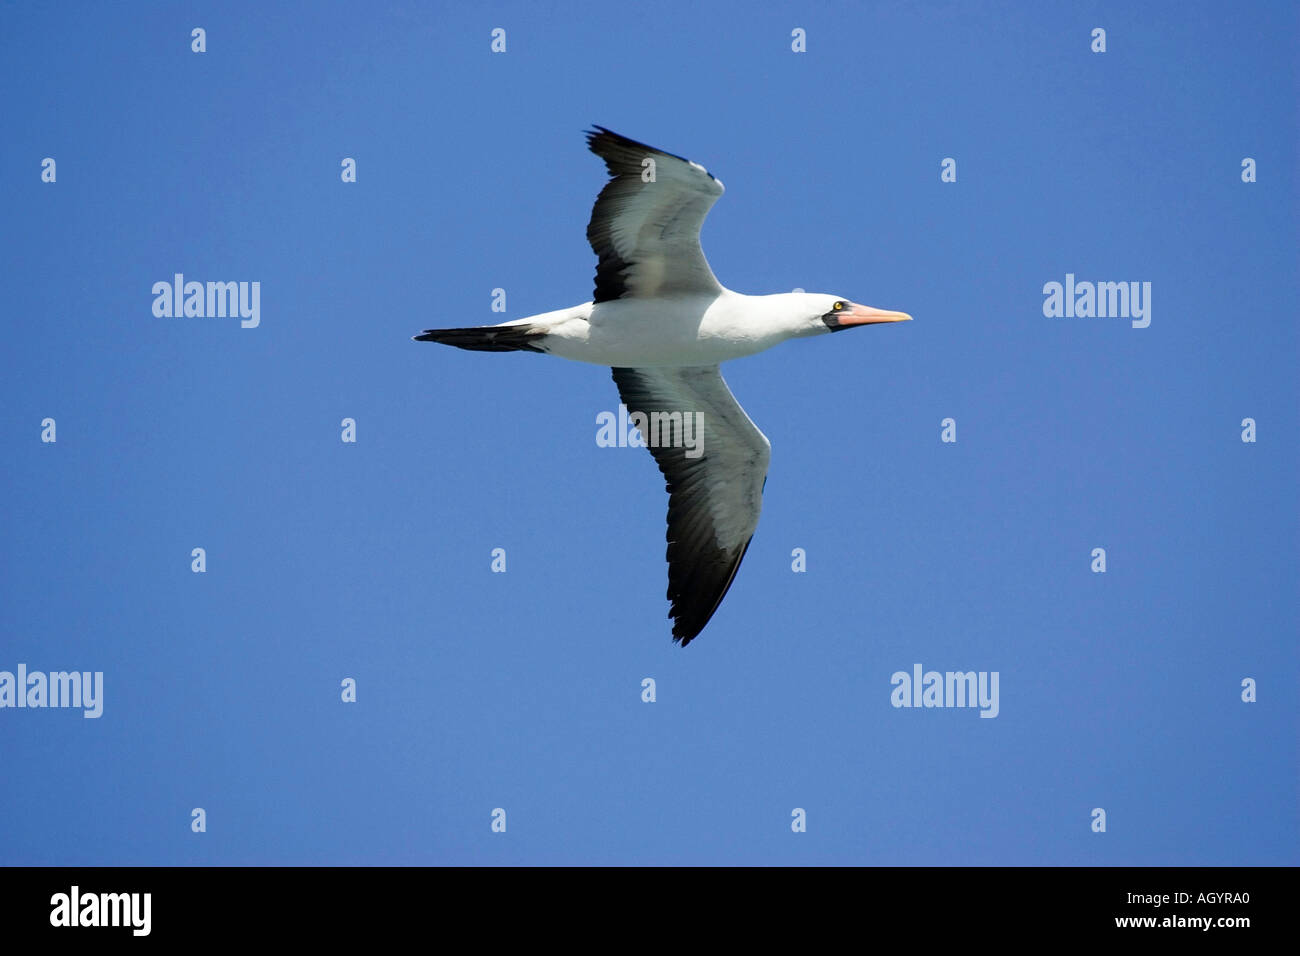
(599, 133)
(682, 637)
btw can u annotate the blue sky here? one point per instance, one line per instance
(476, 690)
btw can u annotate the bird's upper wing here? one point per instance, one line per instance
(646, 234)
(714, 498)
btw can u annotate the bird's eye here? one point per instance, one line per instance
(837, 306)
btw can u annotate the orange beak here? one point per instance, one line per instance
(865, 315)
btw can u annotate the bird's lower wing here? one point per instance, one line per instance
(714, 460)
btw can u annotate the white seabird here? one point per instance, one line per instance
(663, 322)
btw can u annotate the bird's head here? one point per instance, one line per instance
(832, 313)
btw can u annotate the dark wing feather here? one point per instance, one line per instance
(646, 235)
(715, 498)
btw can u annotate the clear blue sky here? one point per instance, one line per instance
(522, 690)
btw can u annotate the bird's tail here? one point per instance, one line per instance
(523, 337)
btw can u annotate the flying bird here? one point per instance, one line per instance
(662, 321)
